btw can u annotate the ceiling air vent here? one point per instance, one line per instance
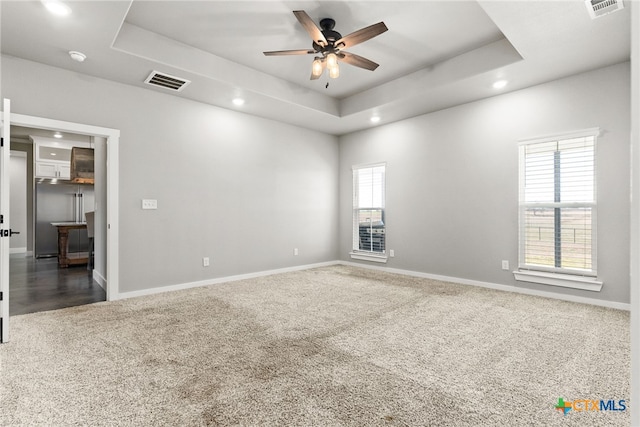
(166, 81)
(598, 8)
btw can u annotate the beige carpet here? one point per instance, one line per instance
(325, 347)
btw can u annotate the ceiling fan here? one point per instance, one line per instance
(328, 45)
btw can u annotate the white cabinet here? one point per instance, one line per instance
(64, 171)
(53, 158)
(52, 170)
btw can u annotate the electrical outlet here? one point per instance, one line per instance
(295, 251)
(205, 261)
(149, 204)
(392, 253)
(505, 264)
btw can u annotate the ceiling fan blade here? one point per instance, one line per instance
(361, 35)
(357, 60)
(311, 27)
(289, 52)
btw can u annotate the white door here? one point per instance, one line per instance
(5, 228)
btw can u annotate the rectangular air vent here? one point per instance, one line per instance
(598, 8)
(166, 81)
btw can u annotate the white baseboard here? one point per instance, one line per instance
(189, 285)
(17, 251)
(506, 288)
(100, 280)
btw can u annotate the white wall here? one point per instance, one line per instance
(18, 202)
(27, 149)
(452, 179)
(635, 211)
(100, 201)
(241, 190)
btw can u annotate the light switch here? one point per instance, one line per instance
(149, 204)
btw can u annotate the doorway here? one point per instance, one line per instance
(36, 282)
(106, 219)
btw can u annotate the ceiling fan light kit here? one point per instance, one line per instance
(317, 67)
(328, 45)
(332, 60)
(332, 65)
(334, 72)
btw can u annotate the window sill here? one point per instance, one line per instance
(368, 257)
(563, 280)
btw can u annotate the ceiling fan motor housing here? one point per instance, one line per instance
(332, 36)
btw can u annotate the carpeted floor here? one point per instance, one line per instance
(324, 347)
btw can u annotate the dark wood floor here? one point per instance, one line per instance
(39, 285)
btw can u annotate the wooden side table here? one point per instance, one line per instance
(65, 259)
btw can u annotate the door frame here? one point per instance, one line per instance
(112, 221)
(5, 210)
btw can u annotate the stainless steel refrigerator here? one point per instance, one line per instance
(61, 202)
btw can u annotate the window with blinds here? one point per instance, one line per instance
(558, 204)
(368, 209)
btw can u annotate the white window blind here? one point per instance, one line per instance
(558, 204)
(368, 209)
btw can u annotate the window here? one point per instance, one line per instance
(558, 205)
(369, 232)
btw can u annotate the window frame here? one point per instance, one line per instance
(558, 276)
(356, 252)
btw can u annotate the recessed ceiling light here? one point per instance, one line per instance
(57, 135)
(77, 56)
(238, 101)
(500, 84)
(57, 7)
(374, 119)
